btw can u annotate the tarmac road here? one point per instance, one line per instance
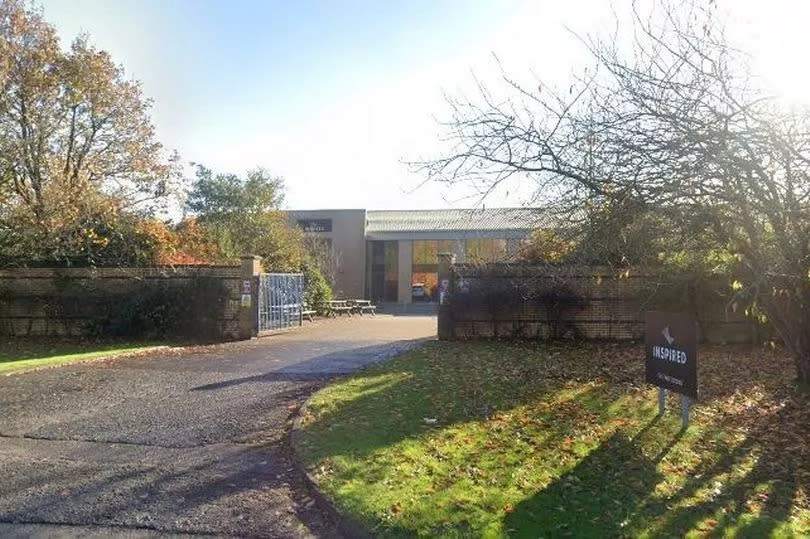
(177, 443)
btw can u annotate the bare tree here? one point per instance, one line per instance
(669, 121)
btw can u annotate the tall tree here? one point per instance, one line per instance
(71, 122)
(670, 121)
(244, 215)
(224, 196)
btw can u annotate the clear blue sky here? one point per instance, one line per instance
(332, 95)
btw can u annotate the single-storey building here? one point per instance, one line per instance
(392, 255)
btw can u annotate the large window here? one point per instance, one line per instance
(426, 252)
(485, 250)
(425, 269)
(384, 270)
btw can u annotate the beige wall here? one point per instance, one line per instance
(348, 247)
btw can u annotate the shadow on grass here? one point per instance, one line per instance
(593, 499)
(391, 402)
(748, 490)
(744, 491)
(622, 486)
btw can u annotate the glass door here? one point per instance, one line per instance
(384, 270)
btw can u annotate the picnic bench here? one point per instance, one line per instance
(349, 307)
(307, 311)
(361, 306)
(338, 307)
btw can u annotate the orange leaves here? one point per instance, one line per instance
(546, 245)
(89, 124)
(185, 243)
(708, 525)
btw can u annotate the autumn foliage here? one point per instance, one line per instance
(79, 161)
(85, 182)
(188, 242)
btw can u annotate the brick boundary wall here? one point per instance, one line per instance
(609, 305)
(27, 295)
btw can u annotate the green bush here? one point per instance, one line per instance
(316, 289)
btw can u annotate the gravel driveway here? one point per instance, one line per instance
(177, 443)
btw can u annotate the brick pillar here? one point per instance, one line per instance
(445, 330)
(249, 290)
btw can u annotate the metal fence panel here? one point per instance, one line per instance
(280, 300)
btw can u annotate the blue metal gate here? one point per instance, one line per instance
(280, 299)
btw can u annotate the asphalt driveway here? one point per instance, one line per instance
(177, 443)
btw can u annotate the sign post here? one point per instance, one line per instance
(662, 400)
(685, 401)
(670, 341)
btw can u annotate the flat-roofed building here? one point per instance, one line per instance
(392, 255)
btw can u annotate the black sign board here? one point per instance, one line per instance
(671, 346)
(315, 225)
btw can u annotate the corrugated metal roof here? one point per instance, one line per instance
(452, 220)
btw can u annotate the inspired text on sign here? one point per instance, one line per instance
(671, 351)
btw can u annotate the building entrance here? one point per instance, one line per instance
(384, 271)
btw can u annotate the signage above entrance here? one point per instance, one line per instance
(315, 225)
(671, 351)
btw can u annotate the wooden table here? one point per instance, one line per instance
(339, 306)
(363, 305)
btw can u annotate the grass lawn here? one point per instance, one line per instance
(547, 440)
(26, 354)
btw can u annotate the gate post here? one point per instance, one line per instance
(249, 288)
(445, 321)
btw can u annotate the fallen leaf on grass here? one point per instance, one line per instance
(708, 524)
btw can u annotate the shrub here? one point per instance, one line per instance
(80, 232)
(162, 309)
(316, 289)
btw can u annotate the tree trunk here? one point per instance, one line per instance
(801, 335)
(788, 311)
(802, 361)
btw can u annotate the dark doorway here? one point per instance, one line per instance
(384, 270)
